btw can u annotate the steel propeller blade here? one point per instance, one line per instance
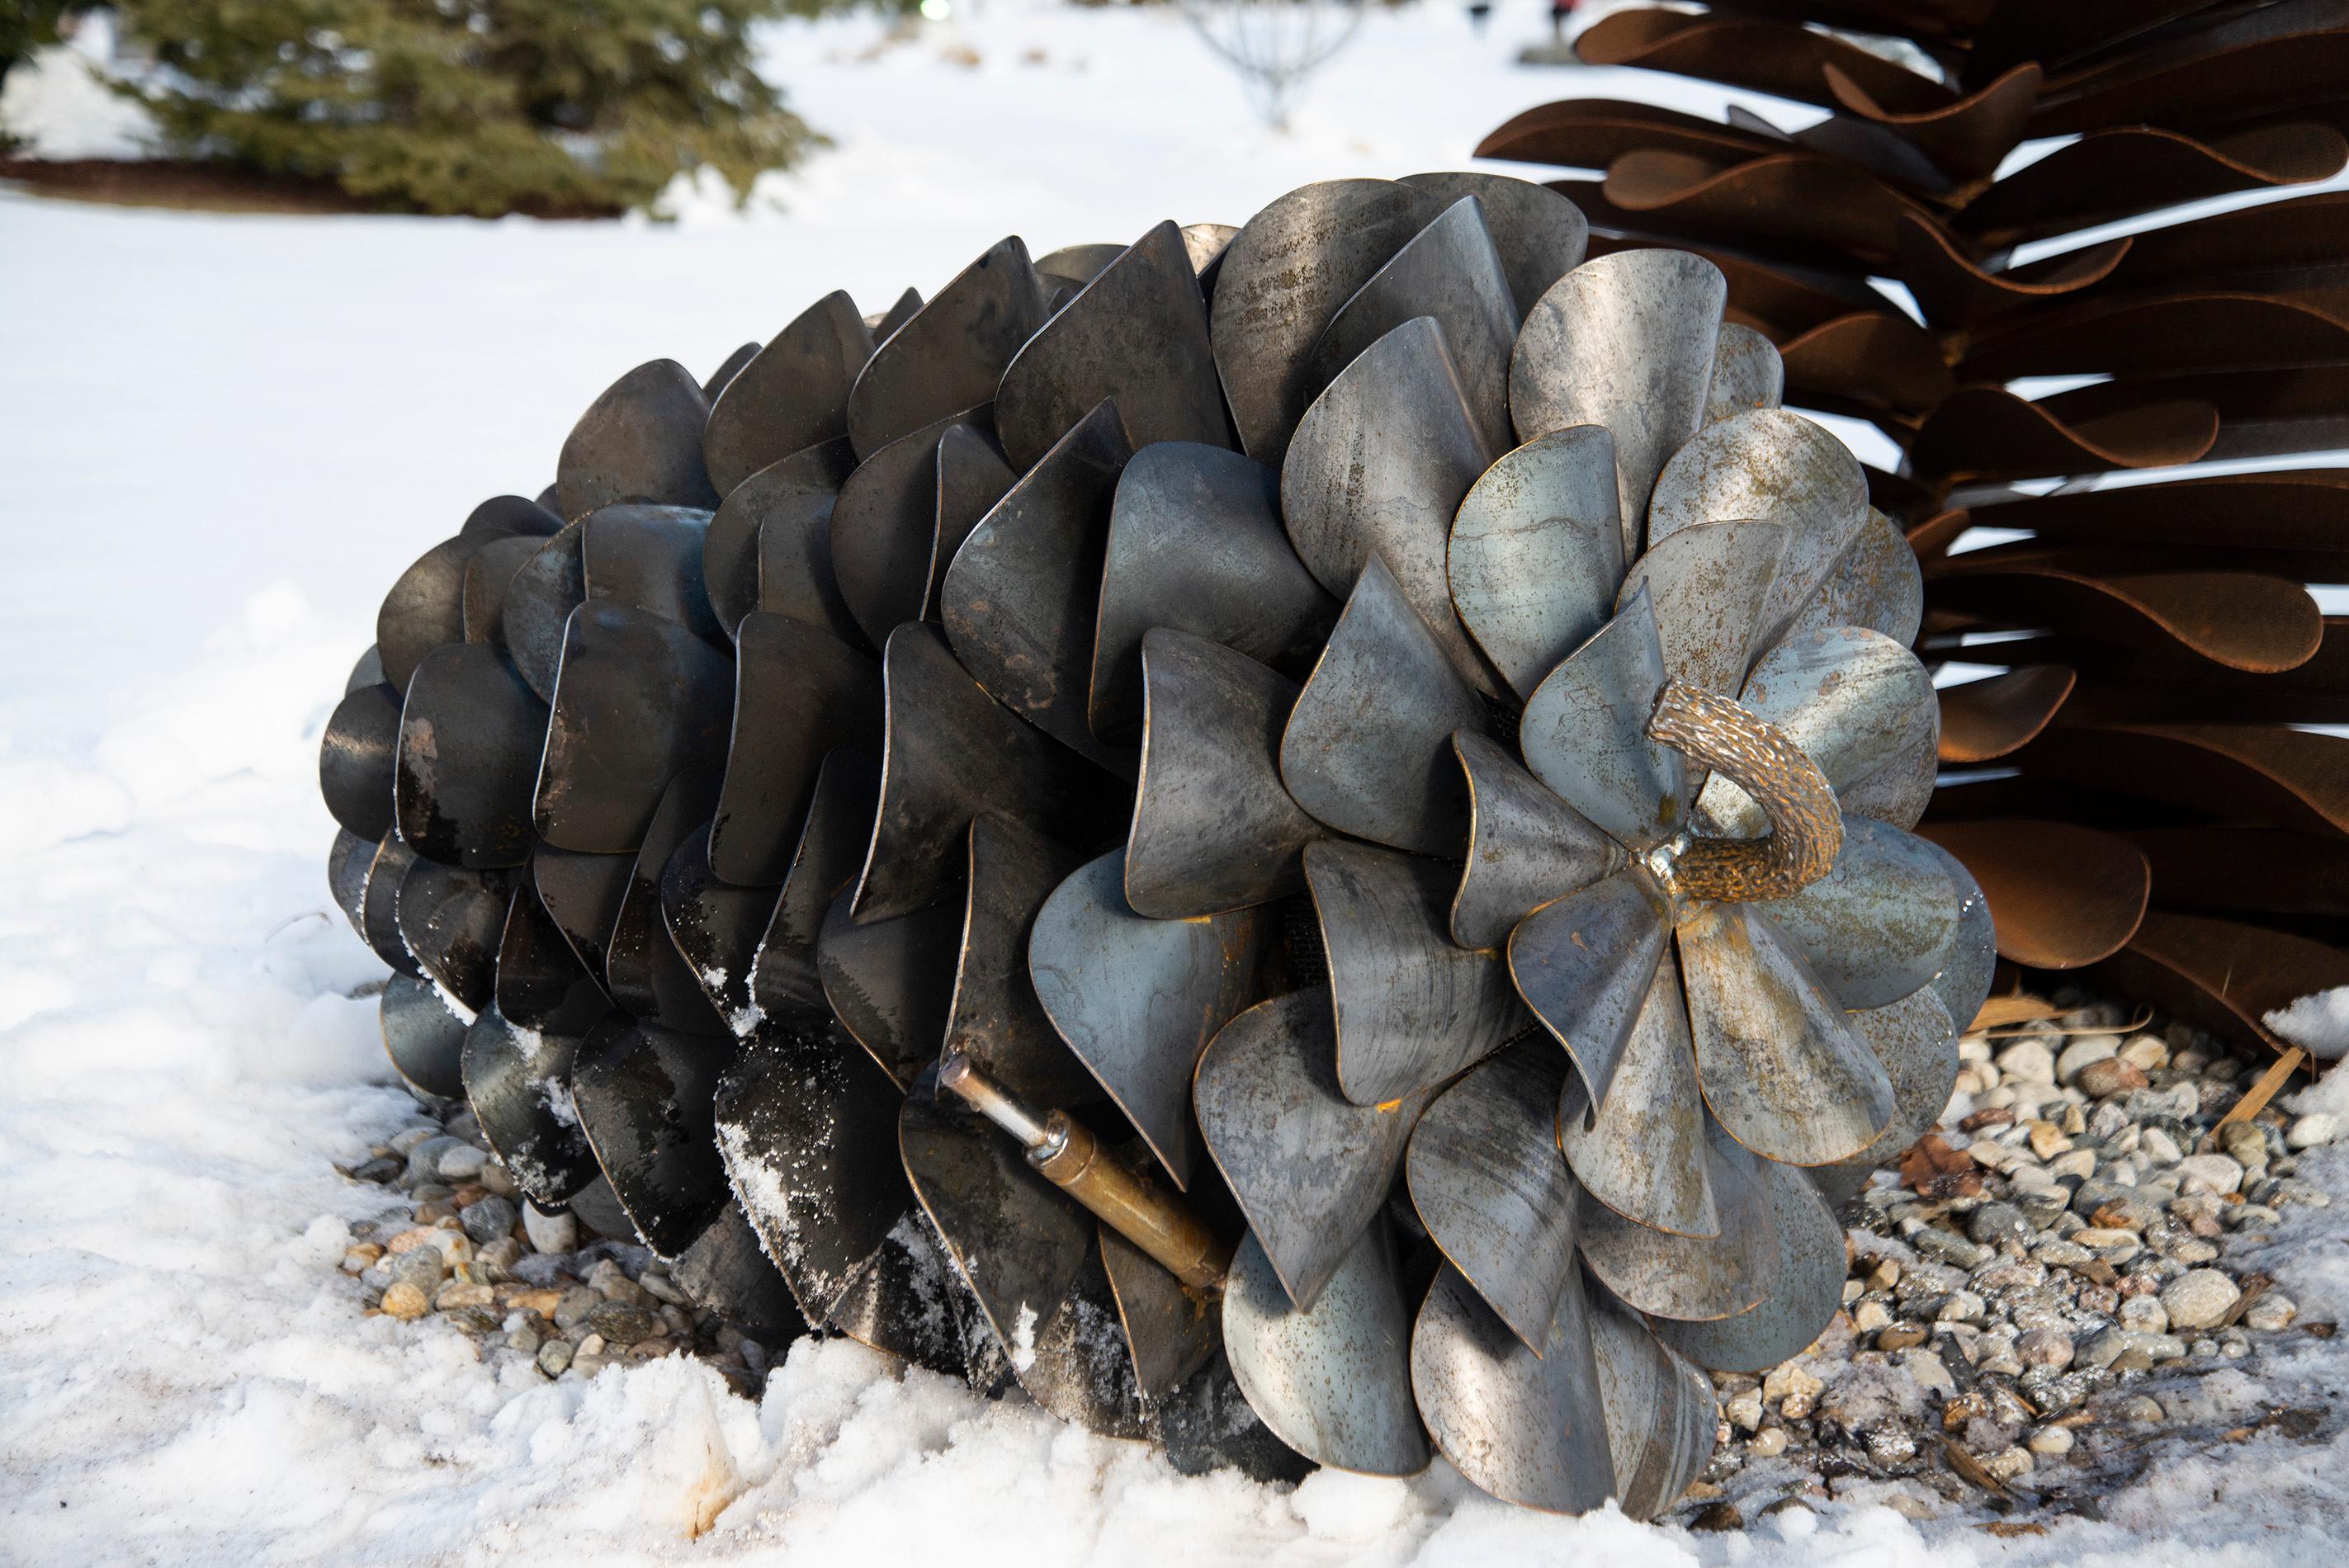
(996, 1019)
(1584, 732)
(1078, 264)
(640, 440)
(1691, 1278)
(1747, 374)
(487, 575)
(1136, 332)
(1137, 999)
(715, 926)
(387, 868)
(1525, 846)
(1333, 1380)
(1309, 1168)
(1661, 1410)
(799, 693)
(540, 982)
(1917, 1044)
(1585, 964)
(1782, 1068)
(644, 970)
(1524, 1424)
(513, 515)
(786, 980)
(899, 312)
(1883, 921)
(366, 670)
(1280, 280)
(1195, 544)
(518, 1081)
(1626, 341)
(357, 761)
(1857, 703)
(1541, 236)
(807, 1126)
(1214, 827)
(452, 921)
(426, 607)
(645, 1095)
(638, 701)
(649, 558)
(1537, 553)
(884, 528)
(972, 477)
(1029, 1252)
(1710, 584)
(1414, 1007)
(1367, 748)
(424, 1041)
(950, 352)
(728, 368)
(768, 544)
(536, 610)
(951, 751)
(347, 873)
(1771, 465)
(470, 738)
(1170, 1332)
(1876, 583)
(583, 894)
(1642, 1151)
(1964, 984)
(1494, 1191)
(1020, 597)
(1378, 467)
(792, 395)
(892, 981)
(1451, 272)
(725, 1270)
(1802, 1285)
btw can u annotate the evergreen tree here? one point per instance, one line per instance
(25, 26)
(485, 107)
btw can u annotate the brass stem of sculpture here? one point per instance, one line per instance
(1068, 1154)
(1806, 823)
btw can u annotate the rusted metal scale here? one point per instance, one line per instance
(2146, 649)
(1293, 839)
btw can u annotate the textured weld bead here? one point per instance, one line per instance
(1806, 823)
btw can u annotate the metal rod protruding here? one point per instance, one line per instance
(1073, 1159)
(995, 1102)
(1806, 820)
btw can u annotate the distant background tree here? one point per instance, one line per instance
(482, 107)
(25, 25)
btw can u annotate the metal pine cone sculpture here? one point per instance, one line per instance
(2160, 651)
(1295, 839)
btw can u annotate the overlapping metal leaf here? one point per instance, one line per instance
(2133, 785)
(1205, 685)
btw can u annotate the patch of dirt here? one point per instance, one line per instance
(197, 186)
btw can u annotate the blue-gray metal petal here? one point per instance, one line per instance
(1626, 341)
(1413, 1006)
(1334, 1381)
(1536, 552)
(1138, 999)
(1584, 732)
(1783, 1070)
(1368, 747)
(1309, 1168)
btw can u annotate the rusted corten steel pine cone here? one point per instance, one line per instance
(1294, 840)
(2133, 783)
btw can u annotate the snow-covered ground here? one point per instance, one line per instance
(220, 438)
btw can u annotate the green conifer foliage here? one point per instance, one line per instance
(482, 107)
